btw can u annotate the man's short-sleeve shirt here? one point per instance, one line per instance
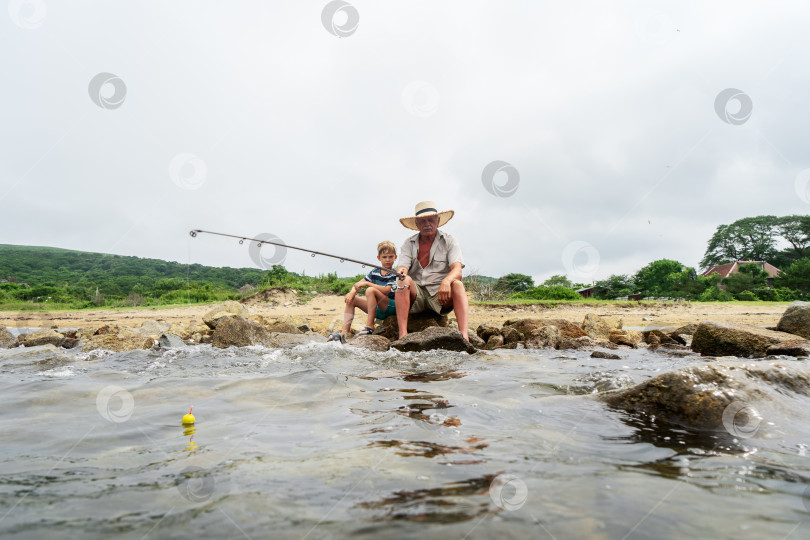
(376, 277)
(443, 252)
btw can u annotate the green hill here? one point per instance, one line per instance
(72, 277)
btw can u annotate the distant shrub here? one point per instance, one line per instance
(555, 292)
(714, 294)
(746, 296)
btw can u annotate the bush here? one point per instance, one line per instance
(555, 292)
(713, 294)
(746, 296)
(764, 293)
(787, 295)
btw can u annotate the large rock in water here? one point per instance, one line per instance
(236, 331)
(796, 320)
(698, 396)
(225, 309)
(434, 337)
(7, 341)
(730, 339)
(625, 337)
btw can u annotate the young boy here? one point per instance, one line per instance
(379, 299)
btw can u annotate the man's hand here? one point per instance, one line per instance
(445, 293)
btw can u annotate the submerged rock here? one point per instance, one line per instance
(287, 339)
(701, 396)
(371, 342)
(434, 338)
(605, 355)
(796, 348)
(796, 320)
(236, 331)
(226, 309)
(170, 341)
(731, 339)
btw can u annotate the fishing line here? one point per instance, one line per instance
(195, 232)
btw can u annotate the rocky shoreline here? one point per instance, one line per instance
(234, 324)
(697, 396)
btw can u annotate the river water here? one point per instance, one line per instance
(332, 441)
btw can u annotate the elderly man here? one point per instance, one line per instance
(430, 264)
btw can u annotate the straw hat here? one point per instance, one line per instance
(423, 209)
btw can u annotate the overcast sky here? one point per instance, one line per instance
(622, 132)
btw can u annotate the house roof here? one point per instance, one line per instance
(733, 267)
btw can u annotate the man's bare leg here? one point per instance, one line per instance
(404, 299)
(460, 307)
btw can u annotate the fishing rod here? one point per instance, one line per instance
(195, 232)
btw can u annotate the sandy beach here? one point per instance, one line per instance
(324, 311)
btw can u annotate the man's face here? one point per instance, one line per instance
(427, 225)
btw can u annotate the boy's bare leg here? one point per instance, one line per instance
(375, 299)
(348, 313)
(404, 299)
(460, 307)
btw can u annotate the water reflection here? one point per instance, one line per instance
(452, 503)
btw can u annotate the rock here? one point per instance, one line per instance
(625, 337)
(434, 338)
(27, 355)
(545, 337)
(7, 340)
(605, 355)
(476, 341)
(153, 329)
(578, 343)
(687, 330)
(118, 343)
(495, 341)
(510, 335)
(170, 341)
(237, 331)
(70, 343)
(566, 328)
(484, 331)
(416, 323)
(796, 319)
(657, 337)
(286, 339)
(225, 309)
(730, 339)
(86, 332)
(790, 348)
(698, 396)
(43, 337)
(599, 327)
(371, 342)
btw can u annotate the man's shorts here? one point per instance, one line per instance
(425, 301)
(391, 309)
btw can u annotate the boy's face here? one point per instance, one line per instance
(387, 259)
